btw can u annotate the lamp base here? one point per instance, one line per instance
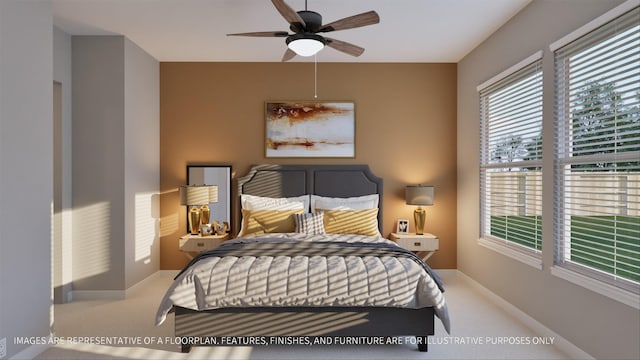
(194, 221)
(205, 213)
(419, 216)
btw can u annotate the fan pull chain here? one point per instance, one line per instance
(315, 76)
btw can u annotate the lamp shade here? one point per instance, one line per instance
(194, 195)
(419, 195)
(305, 44)
(213, 193)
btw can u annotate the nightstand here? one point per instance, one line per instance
(196, 243)
(424, 245)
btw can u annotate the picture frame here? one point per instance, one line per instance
(206, 230)
(402, 226)
(310, 129)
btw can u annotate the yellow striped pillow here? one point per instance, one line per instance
(268, 221)
(361, 222)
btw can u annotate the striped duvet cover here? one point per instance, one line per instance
(287, 270)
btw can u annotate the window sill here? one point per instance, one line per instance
(615, 293)
(532, 261)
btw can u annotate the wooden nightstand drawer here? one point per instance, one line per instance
(425, 245)
(197, 243)
(418, 244)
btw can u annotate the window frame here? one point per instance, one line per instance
(502, 81)
(611, 285)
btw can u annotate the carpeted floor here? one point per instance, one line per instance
(480, 330)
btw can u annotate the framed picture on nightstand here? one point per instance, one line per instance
(206, 230)
(403, 226)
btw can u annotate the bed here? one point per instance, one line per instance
(274, 285)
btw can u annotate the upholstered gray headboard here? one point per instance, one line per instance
(323, 180)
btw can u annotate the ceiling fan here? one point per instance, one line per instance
(306, 25)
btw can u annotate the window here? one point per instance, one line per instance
(597, 160)
(511, 158)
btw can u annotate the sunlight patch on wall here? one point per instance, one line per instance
(55, 219)
(169, 224)
(56, 248)
(92, 226)
(145, 226)
(67, 246)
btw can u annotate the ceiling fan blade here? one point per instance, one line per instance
(288, 55)
(263, 34)
(289, 14)
(345, 47)
(364, 19)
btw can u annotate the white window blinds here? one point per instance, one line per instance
(597, 163)
(511, 158)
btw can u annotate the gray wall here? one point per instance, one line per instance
(115, 163)
(62, 224)
(603, 327)
(26, 170)
(98, 162)
(142, 164)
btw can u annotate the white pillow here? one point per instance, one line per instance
(252, 202)
(351, 203)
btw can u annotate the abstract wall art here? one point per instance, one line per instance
(310, 129)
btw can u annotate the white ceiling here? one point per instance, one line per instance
(195, 30)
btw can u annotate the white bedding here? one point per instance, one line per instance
(246, 281)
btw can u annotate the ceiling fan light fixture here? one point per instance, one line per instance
(305, 44)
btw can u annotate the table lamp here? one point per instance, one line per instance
(419, 195)
(193, 196)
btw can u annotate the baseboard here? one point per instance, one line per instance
(142, 283)
(171, 273)
(560, 343)
(446, 272)
(88, 295)
(30, 352)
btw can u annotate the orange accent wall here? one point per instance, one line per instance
(213, 113)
